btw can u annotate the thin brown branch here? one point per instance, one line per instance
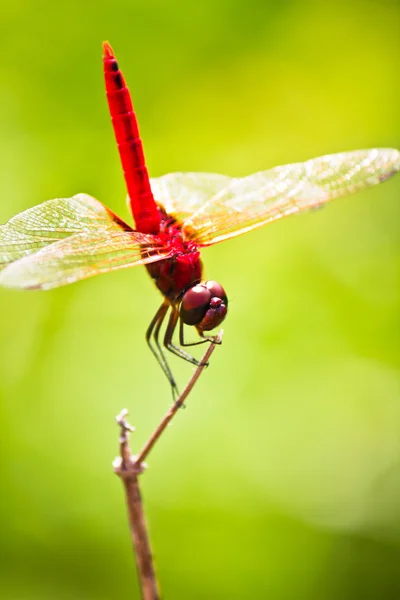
(128, 470)
(129, 467)
(139, 458)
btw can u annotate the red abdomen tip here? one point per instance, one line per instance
(108, 51)
(144, 208)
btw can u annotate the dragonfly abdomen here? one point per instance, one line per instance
(130, 147)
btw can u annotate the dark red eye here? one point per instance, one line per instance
(217, 291)
(194, 304)
(204, 305)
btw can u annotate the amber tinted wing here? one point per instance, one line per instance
(182, 194)
(67, 239)
(270, 195)
(52, 221)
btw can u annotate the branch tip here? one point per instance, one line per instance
(126, 428)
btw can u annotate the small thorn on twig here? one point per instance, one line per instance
(125, 469)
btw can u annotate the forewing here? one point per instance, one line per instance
(182, 194)
(270, 195)
(80, 256)
(67, 239)
(52, 221)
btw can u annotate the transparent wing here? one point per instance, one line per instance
(67, 239)
(182, 194)
(269, 195)
(80, 256)
(52, 221)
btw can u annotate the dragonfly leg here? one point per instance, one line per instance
(153, 331)
(206, 338)
(173, 319)
(175, 391)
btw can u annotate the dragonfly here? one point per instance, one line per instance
(65, 240)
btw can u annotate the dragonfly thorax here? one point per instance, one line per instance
(204, 305)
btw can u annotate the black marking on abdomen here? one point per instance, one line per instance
(119, 82)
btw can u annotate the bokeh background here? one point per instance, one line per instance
(281, 479)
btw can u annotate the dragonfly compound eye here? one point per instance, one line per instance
(204, 305)
(195, 303)
(216, 290)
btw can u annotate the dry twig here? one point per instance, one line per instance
(128, 470)
(128, 467)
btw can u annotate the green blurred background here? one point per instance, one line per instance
(281, 479)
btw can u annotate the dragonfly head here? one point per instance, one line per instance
(204, 305)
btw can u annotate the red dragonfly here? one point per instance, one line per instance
(67, 239)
